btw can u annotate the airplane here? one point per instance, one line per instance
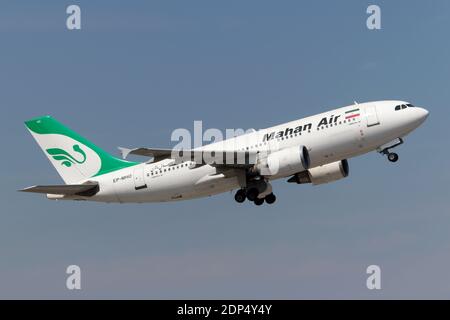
(310, 150)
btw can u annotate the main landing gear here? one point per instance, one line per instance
(391, 156)
(252, 195)
(240, 196)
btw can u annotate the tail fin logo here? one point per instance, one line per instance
(66, 158)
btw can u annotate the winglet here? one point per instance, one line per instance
(125, 152)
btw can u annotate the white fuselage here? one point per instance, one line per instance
(343, 134)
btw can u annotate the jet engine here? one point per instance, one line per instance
(284, 162)
(323, 174)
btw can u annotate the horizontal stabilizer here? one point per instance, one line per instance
(88, 189)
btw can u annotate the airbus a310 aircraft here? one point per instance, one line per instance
(310, 150)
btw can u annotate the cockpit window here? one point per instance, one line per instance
(403, 106)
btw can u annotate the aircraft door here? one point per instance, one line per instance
(371, 115)
(138, 175)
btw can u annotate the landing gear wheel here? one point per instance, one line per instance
(240, 196)
(259, 201)
(252, 194)
(392, 157)
(270, 198)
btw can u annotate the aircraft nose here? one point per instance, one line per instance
(423, 113)
(419, 115)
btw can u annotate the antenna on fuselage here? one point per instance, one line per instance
(355, 102)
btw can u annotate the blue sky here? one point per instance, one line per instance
(136, 72)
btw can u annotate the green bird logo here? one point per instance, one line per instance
(66, 158)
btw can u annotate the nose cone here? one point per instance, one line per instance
(422, 114)
(418, 116)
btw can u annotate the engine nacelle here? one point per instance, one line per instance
(284, 162)
(323, 174)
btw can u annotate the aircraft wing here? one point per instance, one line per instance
(230, 159)
(87, 189)
(157, 153)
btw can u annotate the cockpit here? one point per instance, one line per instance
(403, 106)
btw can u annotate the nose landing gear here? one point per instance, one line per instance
(391, 156)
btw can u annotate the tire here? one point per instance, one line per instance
(270, 198)
(259, 201)
(240, 196)
(392, 157)
(252, 194)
